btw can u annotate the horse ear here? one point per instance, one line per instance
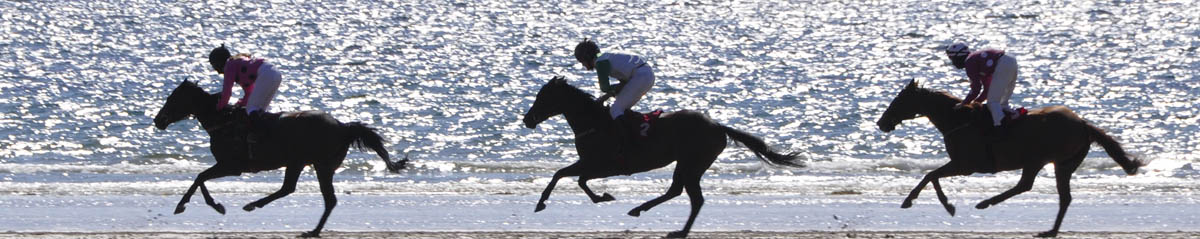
(912, 85)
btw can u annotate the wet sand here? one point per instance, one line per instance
(606, 234)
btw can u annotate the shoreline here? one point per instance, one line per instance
(599, 234)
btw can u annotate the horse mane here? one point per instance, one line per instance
(574, 93)
(202, 96)
(944, 97)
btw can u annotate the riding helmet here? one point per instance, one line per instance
(217, 58)
(958, 54)
(586, 50)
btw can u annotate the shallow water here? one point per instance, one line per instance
(447, 82)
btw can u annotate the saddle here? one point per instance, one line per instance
(1011, 116)
(258, 123)
(250, 129)
(640, 125)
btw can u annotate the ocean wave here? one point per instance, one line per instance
(533, 184)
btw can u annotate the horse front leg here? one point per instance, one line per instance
(208, 199)
(595, 198)
(931, 176)
(216, 171)
(937, 187)
(572, 170)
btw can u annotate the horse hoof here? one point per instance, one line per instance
(1051, 233)
(604, 198)
(249, 207)
(950, 209)
(906, 204)
(179, 209)
(220, 208)
(982, 205)
(540, 207)
(677, 234)
(635, 213)
(310, 234)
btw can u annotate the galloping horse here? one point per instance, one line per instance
(1046, 135)
(298, 139)
(688, 138)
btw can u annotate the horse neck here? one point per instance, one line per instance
(939, 108)
(206, 112)
(585, 114)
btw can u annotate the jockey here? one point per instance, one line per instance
(635, 76)
(256, 76)
(993, 71)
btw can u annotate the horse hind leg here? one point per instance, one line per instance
(697, 201)
(592, 195)
(289, 185)
(572, 170)
(676, 188)
(1027, 176)
(325, 178)
(1062, 175)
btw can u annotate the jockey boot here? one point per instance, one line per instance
(624, 142)
(258, 127)
(241, 124)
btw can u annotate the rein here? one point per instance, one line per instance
(955, 129)
(585, 133)
(210, 130)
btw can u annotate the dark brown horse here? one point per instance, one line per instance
(689, 139)
(297, 139)
(1046, 135)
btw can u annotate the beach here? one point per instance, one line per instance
(611, 234)
(446, 83)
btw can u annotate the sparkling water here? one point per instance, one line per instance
(448, 82)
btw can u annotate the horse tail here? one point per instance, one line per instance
(1114, 150)
(761, 149)
(361, 136)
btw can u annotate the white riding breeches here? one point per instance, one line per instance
(632, 92)
(265, 87)
(1004, 79)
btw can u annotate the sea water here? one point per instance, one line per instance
(447, 83)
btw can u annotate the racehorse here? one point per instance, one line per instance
(1047, 135)
(688, 138)
(297, 139)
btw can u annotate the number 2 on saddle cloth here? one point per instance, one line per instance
(640, 127)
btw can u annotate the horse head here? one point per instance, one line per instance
(184, 101)
(905, 106)
(550, 102)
